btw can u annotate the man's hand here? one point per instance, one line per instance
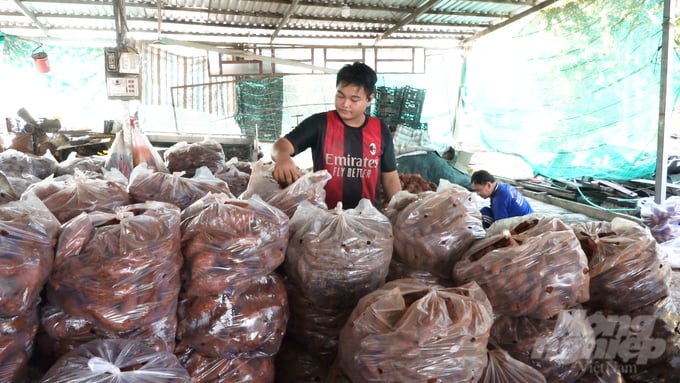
(285, 171)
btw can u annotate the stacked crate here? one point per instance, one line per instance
(399, 105)
(411, 106)
(388, 105)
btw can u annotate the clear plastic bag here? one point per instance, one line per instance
(410, 332)
(316, 329)
(626, 267)
(227, 242)
(120, 155)
(144, 152)
(235, 178)
(204, 369)
(309, 187)
(261, 181)
(26, 253)
(337, 256)
(83, 163)
(187, 157)
(116, 361)
(15, 163)
(249, 324)
(69, 195)
(535, 270)
(503, 368)
(120, 272)
(149, 185)
(11, 188)
(560, 347)
(16, 344)
(434, 231)
(663, 219)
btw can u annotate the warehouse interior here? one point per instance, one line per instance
(145, 235)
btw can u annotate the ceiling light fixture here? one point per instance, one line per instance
(346, 10)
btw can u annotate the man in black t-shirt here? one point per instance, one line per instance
(356, 149)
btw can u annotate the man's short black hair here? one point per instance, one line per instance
(358, 74)
(481, 177)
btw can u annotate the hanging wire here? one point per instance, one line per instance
(38, 48)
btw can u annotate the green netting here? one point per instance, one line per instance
(576, 92)
(260, 103)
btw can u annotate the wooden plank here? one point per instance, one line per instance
(547, 189)
(591, 211)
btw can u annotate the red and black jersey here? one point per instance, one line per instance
(355, 157)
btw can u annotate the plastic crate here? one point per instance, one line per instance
(413, 94)
(411, 107)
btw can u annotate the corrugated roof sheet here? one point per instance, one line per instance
(370, 22)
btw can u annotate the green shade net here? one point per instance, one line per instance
(573, 90)
(260, 104)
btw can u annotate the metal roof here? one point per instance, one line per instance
(420, 23)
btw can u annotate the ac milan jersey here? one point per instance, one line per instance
(355, 157)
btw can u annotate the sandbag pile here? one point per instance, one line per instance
(187, 157)
(434, 230)
(29, 234)
(233, 310)
(407, 331)
(116, 275)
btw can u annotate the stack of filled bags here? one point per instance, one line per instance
(334, 258)
(535, 275)
(233, 310)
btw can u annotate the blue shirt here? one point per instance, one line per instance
(507, 201)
